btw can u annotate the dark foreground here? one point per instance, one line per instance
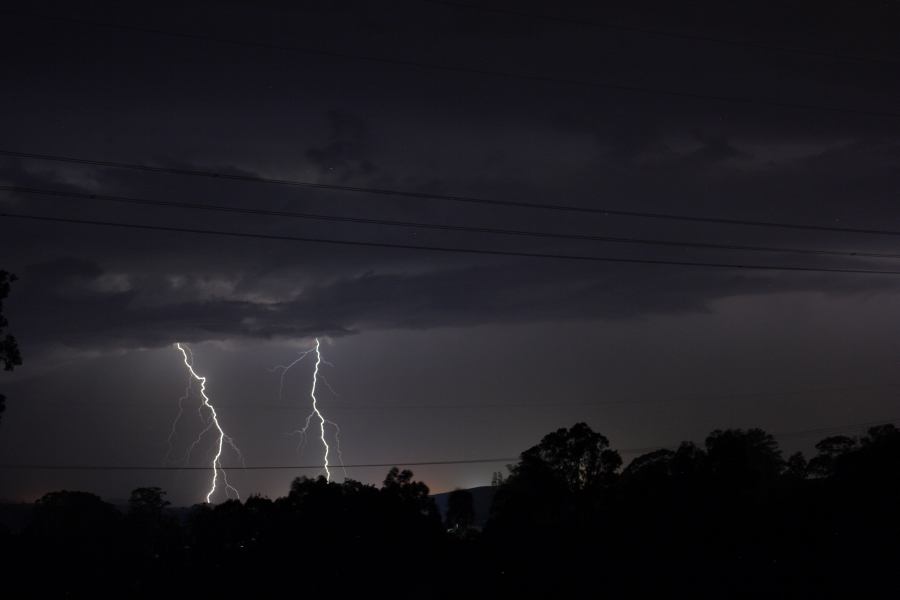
(730, 519)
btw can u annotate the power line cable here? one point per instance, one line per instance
(632, 89)
(44, 467)
(437, 226)
(343, 405)
(446, 197)
(752, 44)
(449, 249)
(49, 467)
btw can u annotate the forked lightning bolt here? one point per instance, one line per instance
(315, 409)
(213, 422)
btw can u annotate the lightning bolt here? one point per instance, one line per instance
(315, 409)
(317, 377)
(213, 422)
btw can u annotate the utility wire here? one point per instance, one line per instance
(617, 87)
(345, 406)
(752, 44)
(445, 197)
(448, 249)
(48, 467)
(436, 226)
(42, 467)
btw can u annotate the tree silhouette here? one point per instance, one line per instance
(743, 461)
(556, 499)
(497, 479)
(580, 457)
(872, 459)
(154, 541)
(460, 512)
(401, 486)
(567, 471)
(76, 517)
(831, 449)
(796, 466)
(79, 534)
(695, 521)
(147, 502)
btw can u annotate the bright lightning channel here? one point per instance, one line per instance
(315, 409)
(214, 422)
(312, 394)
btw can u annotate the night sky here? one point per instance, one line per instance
(783, 112)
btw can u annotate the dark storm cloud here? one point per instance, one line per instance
(346, 155)
(362, 124)
(77, 304)
(102, 301)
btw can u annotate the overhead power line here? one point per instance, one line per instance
(381, 408)
(448, 249)
(436, 226)
(345, 406)
(616, 87)
(44, 467)
(676, 35)
(600, 211)
(468, 461)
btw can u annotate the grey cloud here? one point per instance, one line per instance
(126, 297)
(45, 310)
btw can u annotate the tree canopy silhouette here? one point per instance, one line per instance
(460, 512)
(728, 517)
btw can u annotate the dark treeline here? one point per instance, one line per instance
(729, 519)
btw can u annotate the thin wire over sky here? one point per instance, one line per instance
(438, 226)
(448, 249)
(467, 461)
(600, 211)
